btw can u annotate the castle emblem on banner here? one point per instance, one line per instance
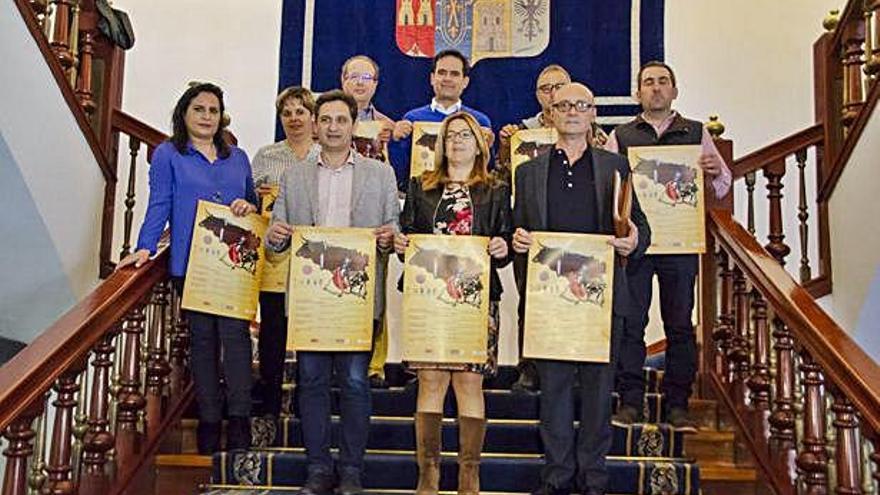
(478, 28)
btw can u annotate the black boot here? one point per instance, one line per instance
(238, 433)
(208, 437)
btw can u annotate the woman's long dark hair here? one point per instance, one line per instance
(180, 138)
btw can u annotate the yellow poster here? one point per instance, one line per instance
(526, 145)
(366, 140)
(424, 136)
(267, 201)
(569, 292)
(225, 262)
(332, 279)
(446, 299)
(669, 184)
(275, 272)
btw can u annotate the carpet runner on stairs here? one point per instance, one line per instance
(645, 458)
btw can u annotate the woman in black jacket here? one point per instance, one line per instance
(459, 197)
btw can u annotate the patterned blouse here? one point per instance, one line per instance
(455, 213)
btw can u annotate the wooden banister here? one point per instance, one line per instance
(843, 361)
(67, 92)
(28, 375)
(126, 124)
(778, 150)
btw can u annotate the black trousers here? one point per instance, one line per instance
(272, 349)
(577, 459)
(676, 275)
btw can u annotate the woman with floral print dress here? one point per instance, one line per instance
(459, 197)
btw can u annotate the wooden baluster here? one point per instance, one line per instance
(37, 478)
(19, 435)
(98, 439)
(776, 247)
(782, 418)
(158, 368)
(759, 382)
(60, 35)
(722, 333)
(875, 458)
(831, 445)
(847, 452)
(751, 178)
(79, 425)
(872, 43)
(739, 351)
(812, 461)
(178, 349)
(84, 79)
(134, 146)
(73, 43)
(130, 401)
(60, 467)
(48, 21)
(803, 215)
(867, 473)
(852, 72)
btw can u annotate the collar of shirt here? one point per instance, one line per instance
(368, 113)
(451, 109)
(349, 161)
(661, 127)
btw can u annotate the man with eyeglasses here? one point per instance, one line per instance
(659, 124)
(360, 78)
(449, 78)
(570, 189)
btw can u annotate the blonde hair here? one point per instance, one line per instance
(440, 175)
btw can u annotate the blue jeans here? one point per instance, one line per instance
(315, 370)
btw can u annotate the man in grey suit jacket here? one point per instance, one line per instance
(570, 189)
(338, 189)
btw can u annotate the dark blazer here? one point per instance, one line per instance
(492, 218)
(530, 213)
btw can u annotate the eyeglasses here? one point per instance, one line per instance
(360, 77)
(462, 135)
(549, 88)
(580, 105)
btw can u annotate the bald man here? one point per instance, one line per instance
(569, 189)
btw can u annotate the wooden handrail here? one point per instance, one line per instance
(131, 126)
(778, 150)
(844, 363)
(852, 139)
(26, 378)
(67, 92)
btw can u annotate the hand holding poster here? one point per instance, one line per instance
(424, 137)
(332, 279)
(669, 184)
(225, 262)
(446, 299)
(569, 293)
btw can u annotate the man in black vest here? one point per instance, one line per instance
(570, 189)
(657, 125)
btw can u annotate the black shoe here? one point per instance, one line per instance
(679, 418)
(528, 378)
(318, 484)
(627, 415)
(376, 381)
(208, 437)
(350, 484)
(550, 490)
(238, 433)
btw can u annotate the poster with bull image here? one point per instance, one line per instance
(225, 262)
(446, 299)
(669, 184)
(332, 276)
(569, 297)
(424, 137)
(366, 140)
(528, 144)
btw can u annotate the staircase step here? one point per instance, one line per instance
(498, 472)
(502, 436)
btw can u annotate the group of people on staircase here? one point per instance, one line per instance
(322, 180)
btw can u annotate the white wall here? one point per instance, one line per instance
(51, 192)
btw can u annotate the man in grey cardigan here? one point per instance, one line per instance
(338, 189)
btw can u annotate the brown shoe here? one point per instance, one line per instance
(471, 432)
(428, 437)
